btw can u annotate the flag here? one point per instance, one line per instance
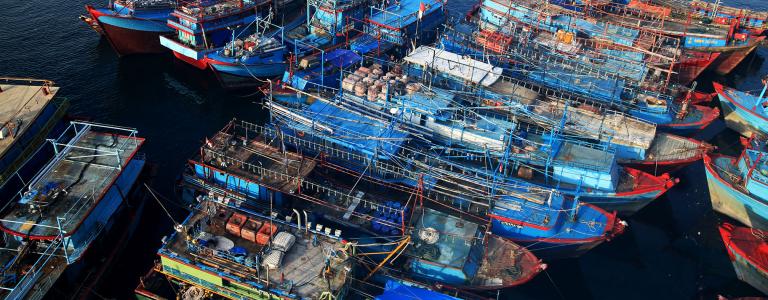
(422, 9)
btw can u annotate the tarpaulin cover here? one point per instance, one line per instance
(342, 58)
(394, 290)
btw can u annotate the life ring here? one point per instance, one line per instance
(300, 133)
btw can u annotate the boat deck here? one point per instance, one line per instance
(19, 107)
(71, 185)
(257, 161)
(301, 270)
(17, 259)
(668, 147)
(729, 172)
(402, 14)
(752, 243)
(576, 155)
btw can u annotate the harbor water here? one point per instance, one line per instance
(672, 249)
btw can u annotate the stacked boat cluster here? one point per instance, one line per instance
(737, 184)
(452, 161)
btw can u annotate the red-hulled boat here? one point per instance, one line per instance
(131, 26)
(748, 250)
(692, 64)
(732, 56)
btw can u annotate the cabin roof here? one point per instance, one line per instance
(456, 239)
(456, 65)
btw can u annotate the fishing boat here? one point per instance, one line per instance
(726, 35)
(30, 113)
(362, 207)
(629, 90)
(378, 207)
(204, 27)
(744, 113)
(748, 250)
(471, 257)
(636, 142)
(240, 254)
(737, 186)
(263, 53)
(719, 13)
(132, 26)
(318, 74)
(387, 32)
(448, 250)
(329, 24)
(733, 44)
(606, 189)
(68, 207)
(608, 37)
(391, 29)
(644, 58)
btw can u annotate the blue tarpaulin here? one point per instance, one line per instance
(342, 58)
(394, 290)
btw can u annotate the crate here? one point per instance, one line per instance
(220, 219)
(250, 230)
(265, 233)
(235, 224)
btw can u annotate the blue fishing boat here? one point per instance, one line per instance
(748, 250)
(737, 186)
(317, 74)
(544, 223)
(744, 113)
(261, 54)
(375, 205)
(388, 31)
(411, 160)
(725, 36)
(392, 29)
(68, 207)
(203, 27)
(623, 189)
(448, 250)
(636, 142)
(327, 202)
(132, 26)
(617, 78)
(244, 254)
(329, 24)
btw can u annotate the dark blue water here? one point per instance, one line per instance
(671, 251)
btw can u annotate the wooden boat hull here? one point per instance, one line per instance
(660, 167)
(554, 248)
(129, 35)
(730, 58)
(708, 115)
(749, 268)
(201, 64)
(738, 117)
(626, 203)
(689, 68)
(271, 69)
(731, 202)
